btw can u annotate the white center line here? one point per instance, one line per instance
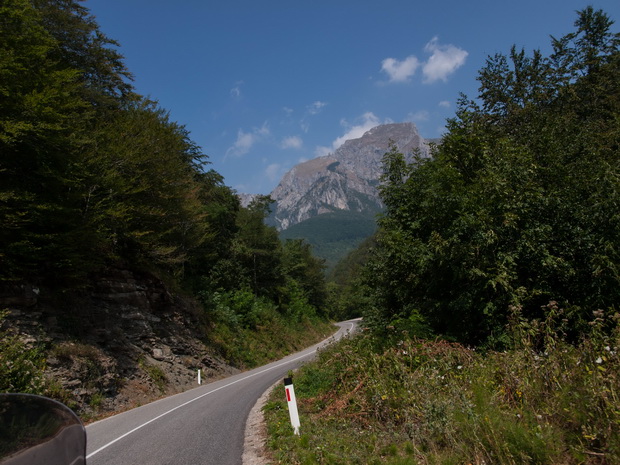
(200, 397)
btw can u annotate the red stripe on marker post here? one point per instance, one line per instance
(292, 404)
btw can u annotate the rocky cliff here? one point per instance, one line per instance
(346, 179)
(121, 341)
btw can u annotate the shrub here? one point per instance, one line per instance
(545, 401)
(21, 365)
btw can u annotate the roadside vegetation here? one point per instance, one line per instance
(250, 332)
(490, 291)
(546, 401)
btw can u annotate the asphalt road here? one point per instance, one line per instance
(204, 425)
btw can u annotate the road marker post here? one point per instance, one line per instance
(199, 380)
(292, 404)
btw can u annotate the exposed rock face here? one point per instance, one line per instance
(137, 341)
(347, 179)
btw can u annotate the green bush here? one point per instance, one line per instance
(250, 330)
(154, 372)
(21, 365)
(240, 309)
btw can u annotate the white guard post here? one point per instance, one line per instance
(199, 380)
(292, 404)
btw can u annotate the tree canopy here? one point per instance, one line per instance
(519, 204)
(93, 174)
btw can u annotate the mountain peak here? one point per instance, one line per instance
(345, 179)
(385, 132)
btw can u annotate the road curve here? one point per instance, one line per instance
(204, 425)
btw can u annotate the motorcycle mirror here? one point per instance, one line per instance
(35, 430)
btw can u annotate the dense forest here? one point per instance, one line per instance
(94, 176)
(333, 235)
(519, 205)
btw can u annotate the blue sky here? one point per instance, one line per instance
(265, 84)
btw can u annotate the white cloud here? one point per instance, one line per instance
(311, 110)
(322, 151)
(316, 107)
(444, 104)
(419, 116)
(273, 172)
(246, 140)
(263, 130)
(400, 71)
(368, 121)
(235, 92)
(444, 60)
(243, 144)
(292, 142)
(365, 123)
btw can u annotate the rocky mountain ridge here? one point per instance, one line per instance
(344, 180)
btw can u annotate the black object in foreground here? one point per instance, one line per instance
(35, 430)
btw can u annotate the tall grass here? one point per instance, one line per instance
(546, 401)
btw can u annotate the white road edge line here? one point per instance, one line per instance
(200, 397)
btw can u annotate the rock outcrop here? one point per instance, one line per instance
(347, 179)
(122, 341)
